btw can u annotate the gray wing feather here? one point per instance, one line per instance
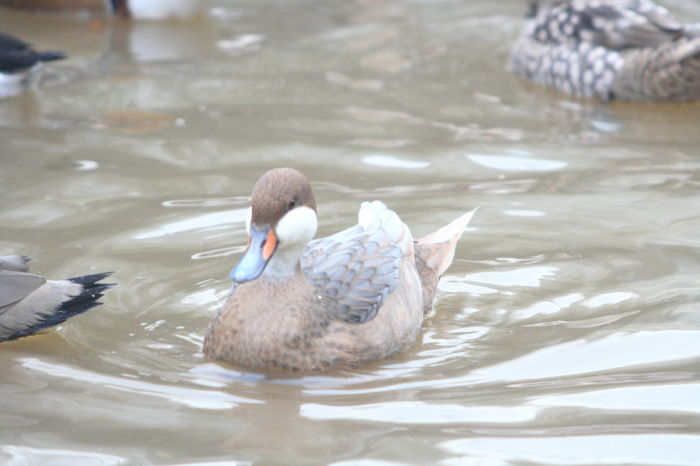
(15, 286)
(356, 269)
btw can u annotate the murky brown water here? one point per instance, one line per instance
(566, 332)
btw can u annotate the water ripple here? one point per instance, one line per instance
(651, 449)
(193, 398)
(417, 412)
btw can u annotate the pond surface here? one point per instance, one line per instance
(567, 330)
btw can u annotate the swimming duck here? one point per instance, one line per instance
(629, 50)
(19, 64)
(156, 9)
(29, 302)
(139, 9)
(94, 5)
(339, 301)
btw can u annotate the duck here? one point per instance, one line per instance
(137, 9)
(630, 50)
(155, 9)
(20, 64)
(341, 301)
(30, 303)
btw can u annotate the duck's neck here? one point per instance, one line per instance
(294, 231)
(283, 264)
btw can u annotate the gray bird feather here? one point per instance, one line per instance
(15, 283)
(355, 270)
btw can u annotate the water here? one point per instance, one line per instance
(566, 332)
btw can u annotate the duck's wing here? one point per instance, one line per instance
(29, 302)
(15, 283)
(616, 25)
(16, 54)
(8, 42)
(357, 268)
(51, 304)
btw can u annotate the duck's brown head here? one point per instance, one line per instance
(281, 222)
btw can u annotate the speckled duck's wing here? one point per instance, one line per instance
(613, 24)
(356, 269)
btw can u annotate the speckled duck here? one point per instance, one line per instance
(629, 50)
(340, 301)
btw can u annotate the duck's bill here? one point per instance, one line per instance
(262, 244)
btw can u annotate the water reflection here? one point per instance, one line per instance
(678, 397)
(17, 455)
(510, 163)
(649, 449)
(416, 412)
(200, 399)
(216, 221)
(616, 351)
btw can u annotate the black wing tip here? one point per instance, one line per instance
(13, 61)
(92, 291)
(92, 279)
(51, 55)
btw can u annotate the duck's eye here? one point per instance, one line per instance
(292, 204)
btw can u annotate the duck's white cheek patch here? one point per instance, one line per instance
(297, 226)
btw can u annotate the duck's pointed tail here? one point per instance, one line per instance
(434, 254)
(667, 73)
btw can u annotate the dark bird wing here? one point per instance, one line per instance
(16, 55)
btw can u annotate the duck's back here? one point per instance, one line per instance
(624, 49)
